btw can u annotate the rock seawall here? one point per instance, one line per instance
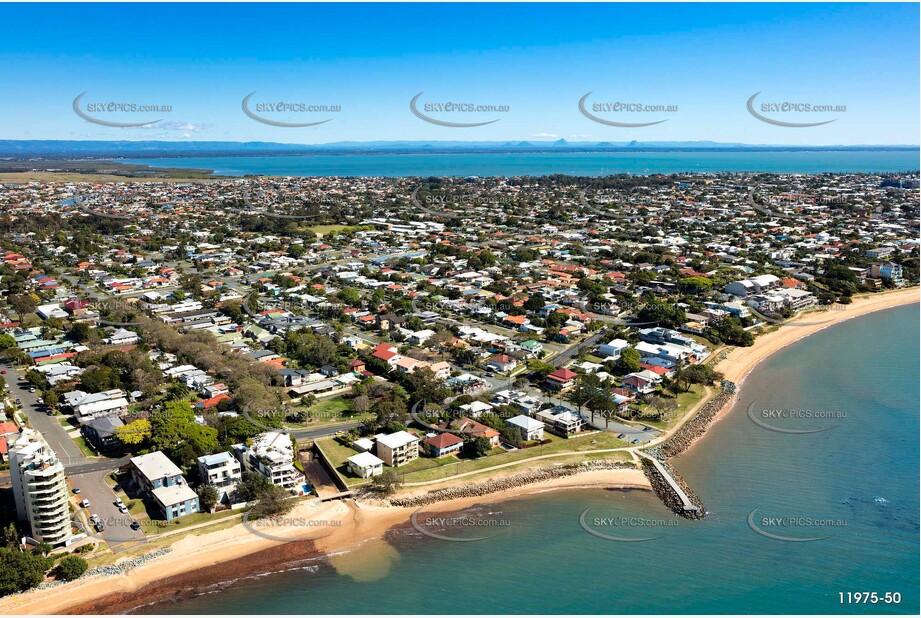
(512, 482)
(677, 444)
(695, 427)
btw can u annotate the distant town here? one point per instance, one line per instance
(176, 354)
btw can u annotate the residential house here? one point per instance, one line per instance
(365, 465)
(398, 448)
(222, 471)
(443, 444)
(529, 428)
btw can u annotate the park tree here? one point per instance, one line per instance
(20, 571)
(71, 567)
(386, 483)
(628, 362)
(207, 496)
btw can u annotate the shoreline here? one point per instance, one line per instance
(741, 362)
(196, 560)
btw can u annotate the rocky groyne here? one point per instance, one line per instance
(677, 444)
(505, 484)
(695, 427)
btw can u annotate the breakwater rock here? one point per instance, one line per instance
(512, 482)
(113, 569)
(664, 490)
(677, 444)
(694, 428)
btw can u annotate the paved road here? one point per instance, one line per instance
(322, 432)
(49, 426)
(87, 473)
(572, 351)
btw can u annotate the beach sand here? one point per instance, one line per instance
(199, 561)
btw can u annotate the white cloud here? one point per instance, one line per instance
(543, 135)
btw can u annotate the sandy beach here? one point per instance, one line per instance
(741, 361)
(199, 560)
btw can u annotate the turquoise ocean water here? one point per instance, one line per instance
(861, 474)
(520, 164)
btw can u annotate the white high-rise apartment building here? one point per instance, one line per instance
(39, 488)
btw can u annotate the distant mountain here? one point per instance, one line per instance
(64, 149)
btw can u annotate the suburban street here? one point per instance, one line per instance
(86, 473)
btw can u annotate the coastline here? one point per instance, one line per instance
(740, 362)
(199, 561)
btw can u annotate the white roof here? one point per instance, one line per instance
(365, 460)
(174, 494)
(398, 439)
(365, 443)
(156, 465)
(525, 422)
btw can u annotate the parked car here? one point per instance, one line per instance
(119, 503)
(116, 487)
(3, 371)
(76, 490)
(85, 504)
(123, 509)
(135, 525)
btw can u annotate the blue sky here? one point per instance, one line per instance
(537, 59)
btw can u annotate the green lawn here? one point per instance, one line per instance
(686, 401)
(337, 453)
(85, 447)
(449, 466)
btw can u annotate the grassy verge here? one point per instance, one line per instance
(542, 463)
(686, 401)
(337, 454)
(433, 471)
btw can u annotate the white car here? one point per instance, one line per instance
(85, 504)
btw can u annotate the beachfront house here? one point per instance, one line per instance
(398, 448)
(365, 465)
(529, 428)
